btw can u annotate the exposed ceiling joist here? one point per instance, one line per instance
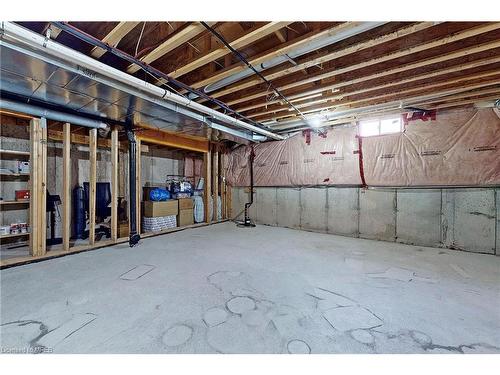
(241, 42)
(419, 77)
(400, 94)
(176, 40)
(279, 51)
(114, 37)
(418, 48)
(329, 56)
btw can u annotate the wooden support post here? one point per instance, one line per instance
(138, 186)
(66, 201)
(215, 174)
(223, 186)
(92, 183)
(38, 186)
(114, 184)
(229, 204)
(207, 163)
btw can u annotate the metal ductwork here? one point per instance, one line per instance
(116, 78)
(50, 114)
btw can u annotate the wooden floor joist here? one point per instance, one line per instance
(391, 56)
(327, 57)
(241, 42)
(176, 40)
(114, 37)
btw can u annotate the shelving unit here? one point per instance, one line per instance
(2, 203)
(14, 155)
(14, 235)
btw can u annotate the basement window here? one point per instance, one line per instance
(368, 128)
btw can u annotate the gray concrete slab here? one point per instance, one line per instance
(223, 289)
(266, 203)
(377, 218)
(469, 219)
(419, 217)
(288, 208)
(313, 214)
(343, 211)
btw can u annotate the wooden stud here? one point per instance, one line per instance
(66, 201)
(33, 186)
(223, 186)
(207, 163)
(92, 183)
(42, 189)
(138, 185)
(114, 184)
(215, 175)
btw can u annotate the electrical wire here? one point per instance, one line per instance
(250, 66)
(139, 40)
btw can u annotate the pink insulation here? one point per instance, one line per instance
(453, 148)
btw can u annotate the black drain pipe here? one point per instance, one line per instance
(247, 222)
(134, 237)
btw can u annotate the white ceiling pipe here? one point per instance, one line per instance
(37, 41)
(317, 44)
(50, 114)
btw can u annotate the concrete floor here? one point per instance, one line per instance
(222, 289)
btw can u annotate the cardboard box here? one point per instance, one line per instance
(164, 208)
(185, 217)
(156, 224)
(185, 204)
(123, 230)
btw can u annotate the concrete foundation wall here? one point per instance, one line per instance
(465, 219)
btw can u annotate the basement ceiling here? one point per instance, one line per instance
(34, 77)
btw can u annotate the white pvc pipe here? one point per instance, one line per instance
(57, 50)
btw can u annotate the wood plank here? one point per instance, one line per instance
(215, 183)
(328, 57)
(421, 47)
(11, 235)
(42, 188)
(66, 201)
(114, 37)
(114, 184)
(207, 166)
(176, 40)
(172, 140)
(275, 52)
(33, 185)
(15, 153)
(138, 185)
(241, 42)
(9, 203)
(92, 183)
(223, 185)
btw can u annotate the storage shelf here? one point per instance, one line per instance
(26, 201)
(14, 235)
(15, 174)
(14, 153)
